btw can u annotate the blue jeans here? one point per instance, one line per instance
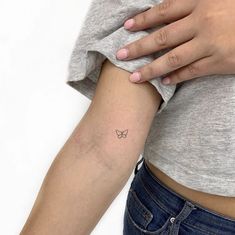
(153, 208)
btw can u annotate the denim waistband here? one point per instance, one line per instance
(173, 203)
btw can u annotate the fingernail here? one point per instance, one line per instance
(166, 80)
(135, 77)
(122, 54)
(129, 23)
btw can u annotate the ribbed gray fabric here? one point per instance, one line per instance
(192, 137)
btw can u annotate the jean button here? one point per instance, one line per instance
(172, 219)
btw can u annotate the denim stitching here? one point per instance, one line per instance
(158, 203)
(144, 230)
(135, 196)
(194, 226)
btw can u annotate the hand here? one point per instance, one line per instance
(200, 34)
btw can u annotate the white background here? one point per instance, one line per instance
(38, 110)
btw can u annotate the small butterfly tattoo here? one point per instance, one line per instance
(122, 134)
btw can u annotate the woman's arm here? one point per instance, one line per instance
(94, 164)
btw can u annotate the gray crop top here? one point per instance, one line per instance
(192, 137)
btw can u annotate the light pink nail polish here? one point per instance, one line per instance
(129, 23)
(135, 77)
(122, 54)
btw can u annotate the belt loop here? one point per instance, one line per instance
(136, 167)
(184, 213)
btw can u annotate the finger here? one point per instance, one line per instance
(178, 57)
(168, 36)
(165, 12)
(196, 69)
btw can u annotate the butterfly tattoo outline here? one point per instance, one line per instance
(121, 134)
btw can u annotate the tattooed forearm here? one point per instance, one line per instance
(121, 134)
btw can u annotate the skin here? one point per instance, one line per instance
(98, 158)
(100, 155)
(200, 36)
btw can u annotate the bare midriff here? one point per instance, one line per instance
(221, 205)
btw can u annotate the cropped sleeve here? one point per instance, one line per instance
(101, 35)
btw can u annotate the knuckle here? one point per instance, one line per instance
(208, 16)
(193, 70)
(163, 7)
(173, 60)
(160, 37)
(142, 19)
